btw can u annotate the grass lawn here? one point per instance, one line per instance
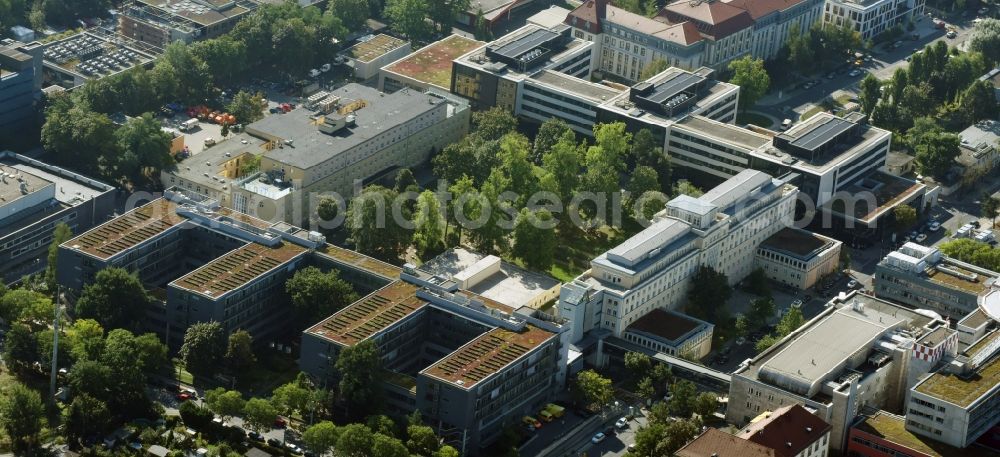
(271, 370)
(757, 119)
(576, 248)
(816, 109)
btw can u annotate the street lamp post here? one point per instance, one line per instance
(55, 346)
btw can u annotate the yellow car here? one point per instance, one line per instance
(528, 420)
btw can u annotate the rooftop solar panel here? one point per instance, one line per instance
(823, 133)
(525, 43)
(682, 82)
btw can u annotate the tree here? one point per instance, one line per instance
(534, 239)
(321, 437)
(682, 401)
(422, 440)
(594, 389)
(408, 17)
(653, 68)
(20, 346)
(985, 39)
(935, 150)
(225, 403)
(327, 209)
(239, 351)
(758, 283)
(644, 388)
(979, 102)
(87, 338)
(750, 75)
(197, 417)
(125, 388)
(387, 446)
(380, 423)
(446, 451)
(352, 13)
(661, 375)
(677, 434)
(761, 309)
(684, 187)
(706, 404)
(494, 123)
(60, 235)
(444, 12)
(115, 299)
(247, 107)
(30, 307)
(259, 414)
(638, 363)
(371, 225)
(316, 295)
(870, 93)
(429, 234)
(192, 78)
(151, 352)
(21, 416)
(405, 181)
(291, 43)
(791, 321)
(226, 58)
(90, 377)
(604, 163)
(355, 441)
(84, 417)
(905, 217)
(360, 368)
(643, 187)
(742, 325)
(563, 161)
(291, 397)
(204, 347)
(77, 135)
(648, 151)
(989, 208)
(549, 133)
(707, 295)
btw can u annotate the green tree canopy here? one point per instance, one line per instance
(360, 368)
(535, 239)
(225, 403)
(115, 299)
(259, 414)
(247, 107)
(985, 39)
(60, 235)
(549, 133)
(430, 224)
(21, 416)
(750, 75)
(708, 294)
(204, 347)
(372, 226)
(594, 389)
(316, 294)
(321, 437)
(239, 351)
(408, 17)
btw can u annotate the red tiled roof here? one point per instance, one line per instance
(788, 431)
(719, 19)
(761, 8)
(588, 16)
(685, 33)
(716, 443)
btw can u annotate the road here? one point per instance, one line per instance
(784, 103)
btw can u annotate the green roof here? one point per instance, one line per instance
(962, 391)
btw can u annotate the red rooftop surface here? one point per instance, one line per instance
(788, 431)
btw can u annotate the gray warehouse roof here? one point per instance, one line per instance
(311, 147)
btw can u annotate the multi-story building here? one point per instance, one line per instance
(539, 73)
(798, 258)
(858, 352)
(792, 431)
(471, 365)
(721, 229)
(374, 52)
(208, 263)
(155, 24)
(834, 161)
(671, 333)
(429, 66)
(923, 277)
(871, 17)
(882, 434)
(35, 197)
(332, 143)
(717, 443)
(20, 84)
(73, 60)
(688, 34)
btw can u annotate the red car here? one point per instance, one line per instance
(183, 396)
(280, 423)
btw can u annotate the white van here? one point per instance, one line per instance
(785, 124)
(188, 124)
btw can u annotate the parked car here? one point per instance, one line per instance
(785, 124)
(921, 238)
(951, 34)
(313, 73)
(934, 226)
(600, 436)
(255, 436)
(280, 423)
(741, 341)
(852, 284)
(325, 68)
(183, 396)
(854, 73)
(273, 442)
(797, 304)
(621, 423)
(528, 420)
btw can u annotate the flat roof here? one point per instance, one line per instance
(128, 230)
(634, 249)
(371, 314)
(487, 354)
(203, 12)
(798, 243)
(983, 343)
(937, 276)
(809, 136)
(377, 46)
(432, 64)
(887, 189)
(668, 325)
(381, 113)
(812, 134)
(514, 47)
(360, 261)
(210, 161)
(962, 391)
(512, 286)
(893, 428)
(975, 319)
(83, 54)
(238, 268)
(731, 134)
(674, 85)
(10, 186)
(597, 93)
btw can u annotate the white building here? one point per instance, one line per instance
(651, 270)
(689, 34)
(859, 352)
(871, 17)
(798, 258)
